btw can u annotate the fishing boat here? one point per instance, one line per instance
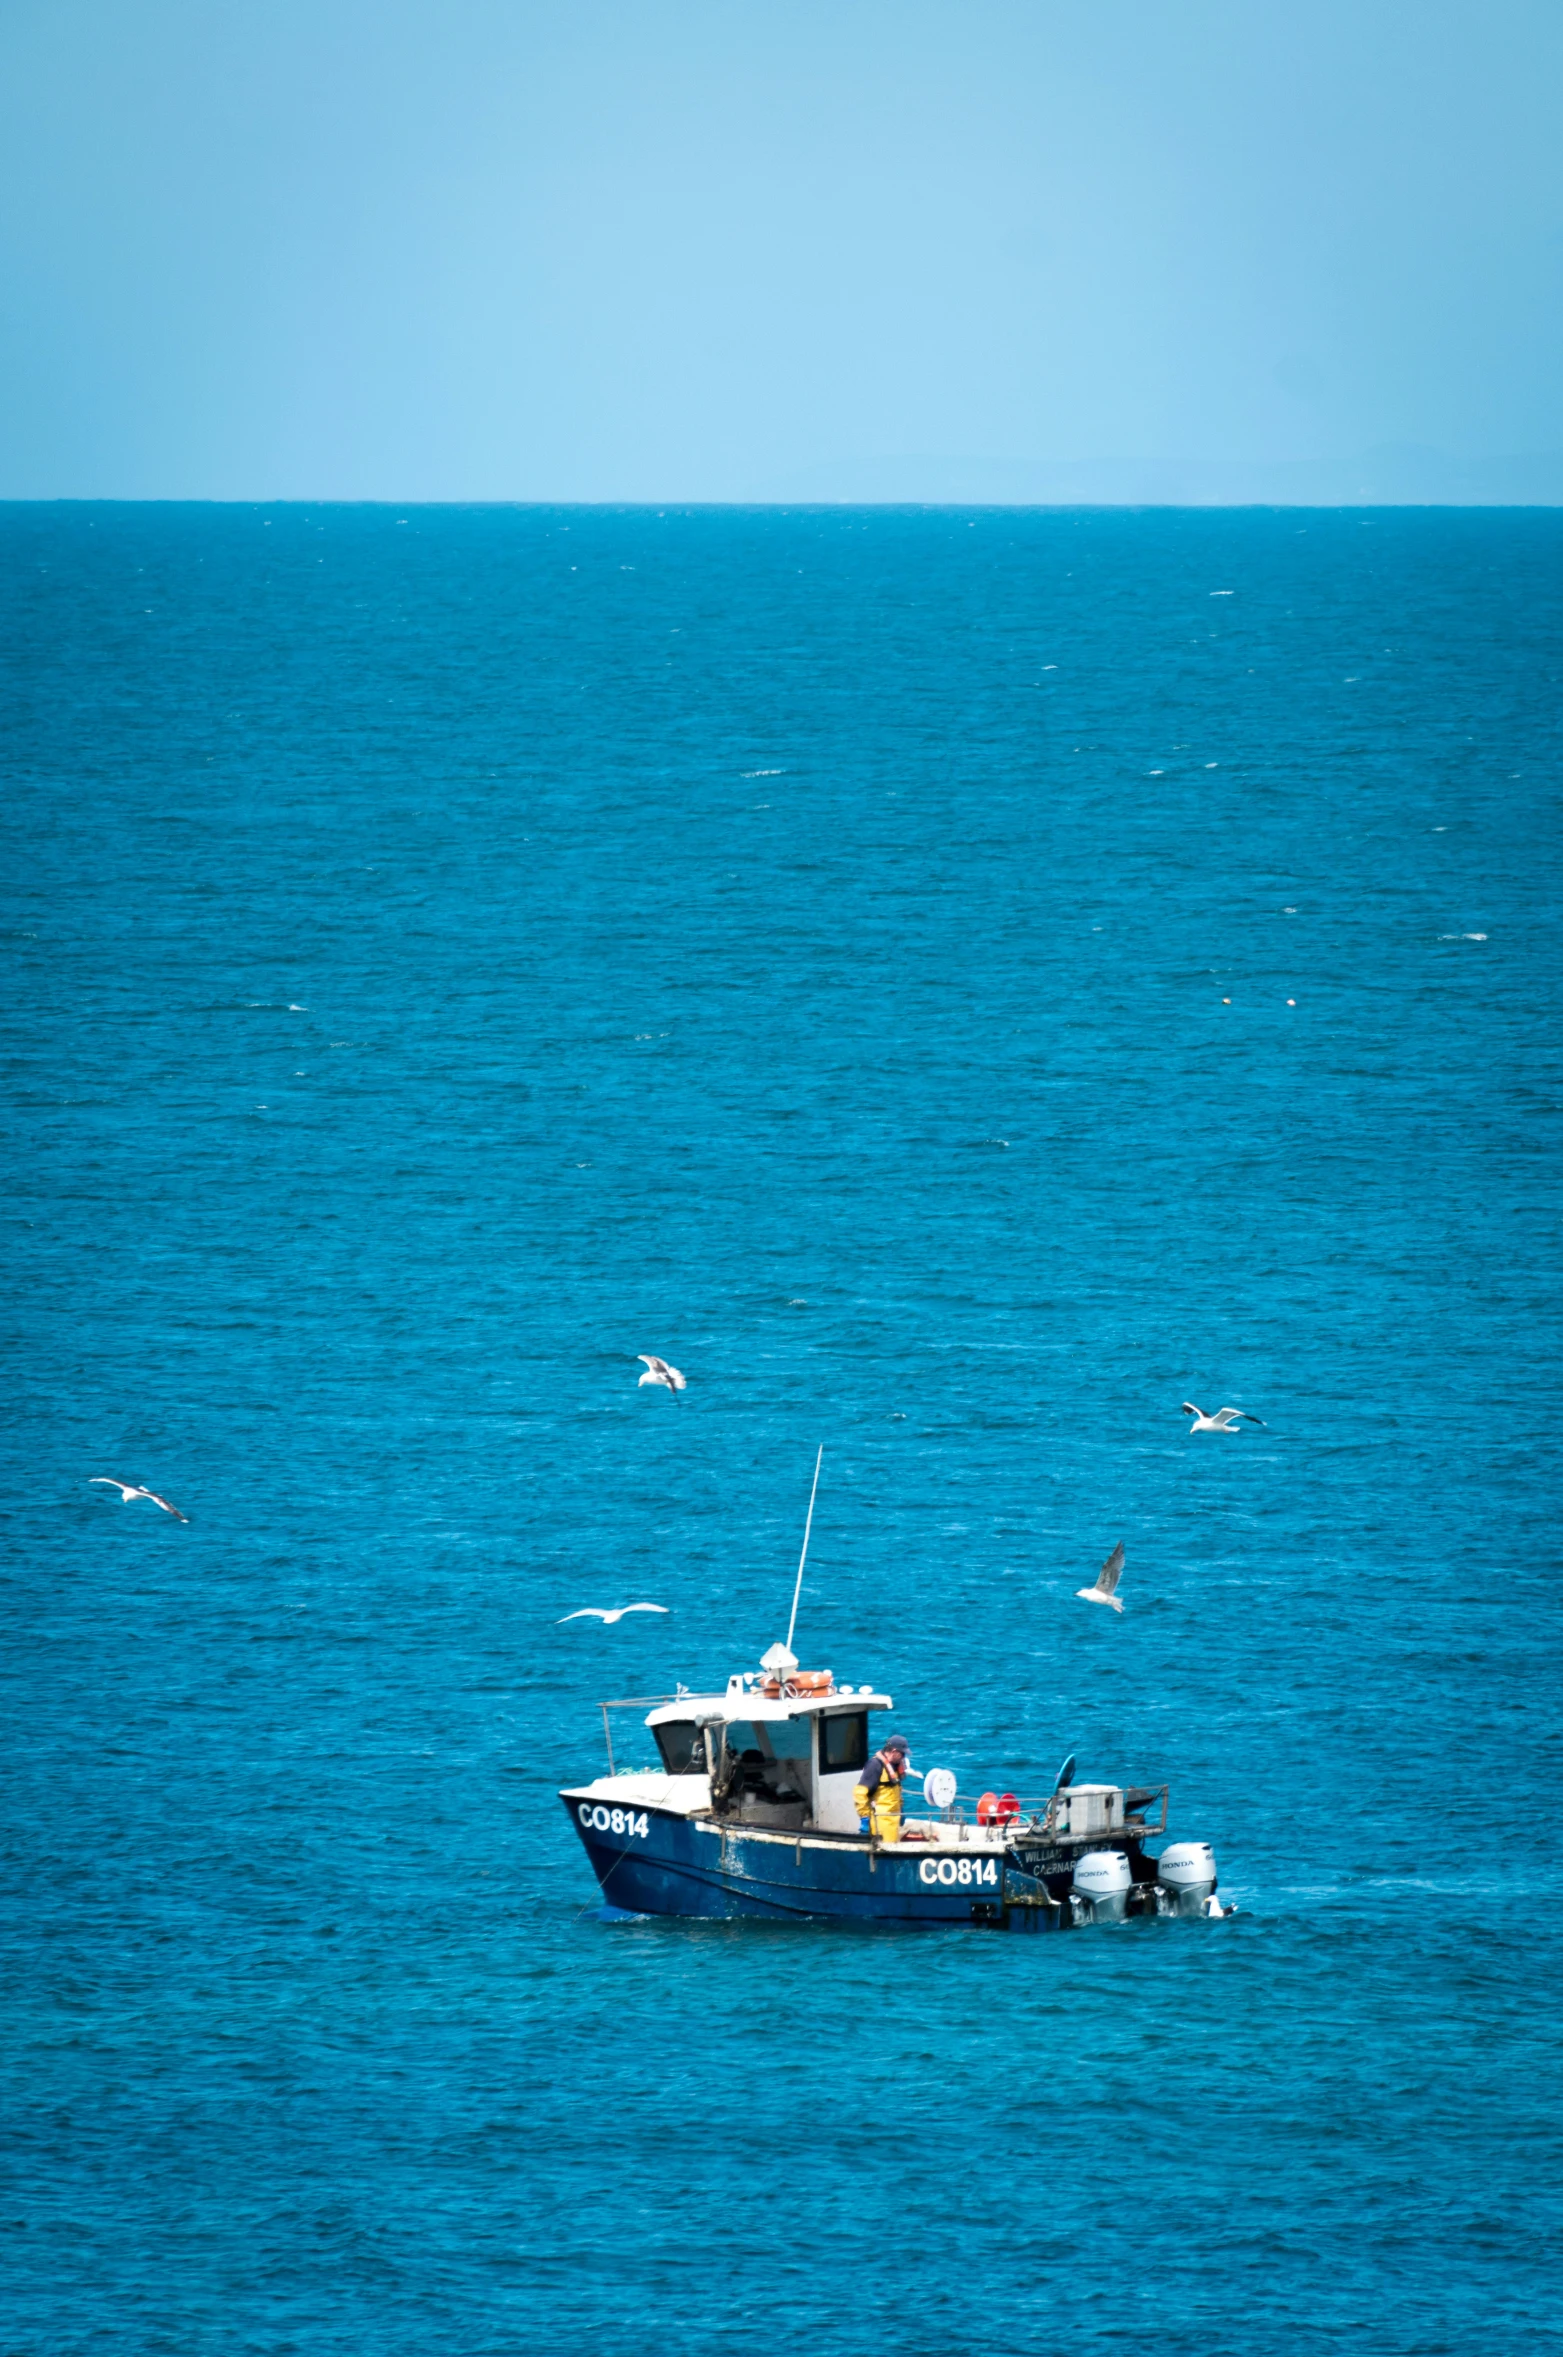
(749, 1811)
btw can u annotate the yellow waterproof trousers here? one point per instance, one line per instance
(882, 1808)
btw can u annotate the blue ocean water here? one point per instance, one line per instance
(959, 985)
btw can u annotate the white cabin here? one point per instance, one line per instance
(783, 1754)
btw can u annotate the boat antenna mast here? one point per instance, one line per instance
(803, 1558)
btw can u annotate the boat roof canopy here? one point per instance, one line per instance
(748, 1701)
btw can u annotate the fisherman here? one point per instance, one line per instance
(877, 1794)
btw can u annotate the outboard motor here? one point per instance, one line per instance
(1101, 1886)
(1186, 1876)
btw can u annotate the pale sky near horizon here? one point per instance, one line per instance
(749, 249)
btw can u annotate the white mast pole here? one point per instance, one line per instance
(803, 1558)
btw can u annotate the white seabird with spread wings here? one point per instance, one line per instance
(1224, 1419)
(596, 1612)
(133, 1489)
(1106, 1581)
(658, 1371)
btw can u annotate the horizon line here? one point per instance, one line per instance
(794, 506)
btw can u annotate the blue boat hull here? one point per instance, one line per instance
(654, 1862)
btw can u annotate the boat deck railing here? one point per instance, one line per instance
(628, 1702)
(1039, 1816)
(1021, 1816)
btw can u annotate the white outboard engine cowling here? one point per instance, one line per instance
(1101, 1886)
(1186, 1876)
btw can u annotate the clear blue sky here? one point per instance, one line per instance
(726, 249)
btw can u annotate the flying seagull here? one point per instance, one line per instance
(1106, 1583)
(596, 1612)
(133, 1489)
(658, 1371)
(1224, 1419)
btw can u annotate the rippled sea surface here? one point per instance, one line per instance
(958, 985)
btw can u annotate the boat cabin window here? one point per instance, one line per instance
(766, 1763)
(683, 1747)
(843, 1742)
(773, 1739)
